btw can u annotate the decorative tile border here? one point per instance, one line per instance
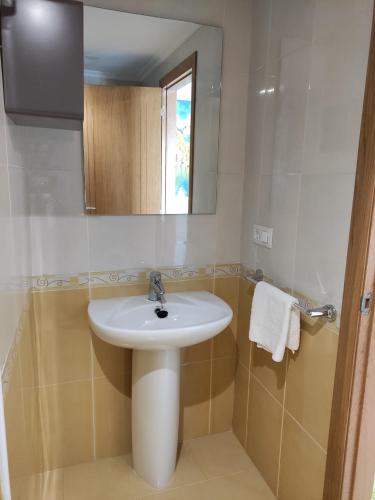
(120, 277)
(227, 270)
(183, 273)
(131, 276)
(53, 282)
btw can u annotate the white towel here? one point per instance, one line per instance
(274, 323)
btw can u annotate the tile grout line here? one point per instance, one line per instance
(267, 390)
(93, 398)
(194, 483)
(248, 396)
(211, 384)
(282, 429)
(306, 432)
(211, 362)
(290, 415)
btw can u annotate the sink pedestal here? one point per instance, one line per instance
(155, 414)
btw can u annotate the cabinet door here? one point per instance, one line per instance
(122, 130)
(42, 51)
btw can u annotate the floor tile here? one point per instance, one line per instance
(239, 486)
(109, 479)
(219, 454)
(213, 467)
(45, 486)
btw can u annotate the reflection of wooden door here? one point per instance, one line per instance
(122, 144)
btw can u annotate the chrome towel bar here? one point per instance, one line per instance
(328, 311)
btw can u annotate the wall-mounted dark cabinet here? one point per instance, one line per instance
(42, 56)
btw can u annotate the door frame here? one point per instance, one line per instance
(190, 64)
(350, 457)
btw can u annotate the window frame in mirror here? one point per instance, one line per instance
(187, 66)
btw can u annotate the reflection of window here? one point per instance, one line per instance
(178, 137)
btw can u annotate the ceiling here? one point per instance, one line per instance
(127, 47)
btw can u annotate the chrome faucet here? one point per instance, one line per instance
(156, 290)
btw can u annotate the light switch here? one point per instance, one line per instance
(262, 235)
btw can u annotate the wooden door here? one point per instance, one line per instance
(122, 149)
(351, 452)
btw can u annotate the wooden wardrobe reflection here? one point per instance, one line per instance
(122, 149)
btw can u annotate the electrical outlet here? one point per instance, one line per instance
(262, 235)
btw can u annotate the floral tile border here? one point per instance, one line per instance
(130, 276)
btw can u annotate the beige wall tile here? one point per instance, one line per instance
(24, 442)
(302, 465)
(197, 352)
(240, 405)
(195, 399)
(264, 432)
(110, 361)
(222, 395)
(33, 430)
(228, 289)
(224, 344)
(44, 486)
(310, 379)
(28, 349)
(22, 416)
(246, 291)
(66, 413)
(270, 374)
(23, 434)
(63, 336)
(18, 452)
(112, 403)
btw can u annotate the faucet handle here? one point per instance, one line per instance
(155, 276)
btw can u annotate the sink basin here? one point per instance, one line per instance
(131, 321)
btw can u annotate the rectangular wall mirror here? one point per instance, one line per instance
(151, 124)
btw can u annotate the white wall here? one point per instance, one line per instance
(15, 262)
(65, 241)
(303, 138)
(15, 266)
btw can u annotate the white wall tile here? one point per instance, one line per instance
(59, 245)
(323, 233)
(292, 23)
(233, 124)
(250, 208)
(55, 192)
(237, 34)
(121, 242)
(256, 116)
(229, 212)
(260, 33)
(15, 260)
(338, 72)
(278, 209)
(34, 147)
(306, 141)
(285, 113)
(185, 240)
(19, 191)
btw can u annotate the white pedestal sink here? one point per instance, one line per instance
(131, 322)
